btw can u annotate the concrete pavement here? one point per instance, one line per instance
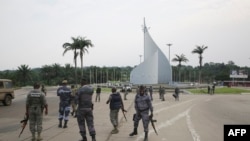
(102, 123)
(193, 118)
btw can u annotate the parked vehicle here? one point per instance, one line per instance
(6, 91)
(128, 88)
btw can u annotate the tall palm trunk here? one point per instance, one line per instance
(81, 56)
(75, 60)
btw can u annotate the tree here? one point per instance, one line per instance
(180, 58)
(199, 50)
(72, 47)
(24, 73)
(83, 45)
(46, 73)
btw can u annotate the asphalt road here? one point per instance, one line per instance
(193, 118)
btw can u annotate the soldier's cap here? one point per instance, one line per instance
(64, 81)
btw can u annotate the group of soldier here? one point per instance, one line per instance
(82, 105)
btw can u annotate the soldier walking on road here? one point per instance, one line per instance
(142, 106)
(85, 110)
(35, 103)
(151, 92)
(98, 94)
(64, 106)
(176, 94)
(162, 92)
(43, 89)
(73, 103)
(160, 95)
(213, 88)
(125, 92)
(208, 89)
(116, 103)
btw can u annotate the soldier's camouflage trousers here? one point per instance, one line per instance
(64, 112)
(114, 117)
(85, 115)
(144, 115)
(35, 119)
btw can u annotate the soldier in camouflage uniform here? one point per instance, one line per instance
(115, 105)
(73, 104)
(142, 106)
(64, 106)
(35, 103)
(98, 94)
(43, 89)
(85, 110)
(162, 93)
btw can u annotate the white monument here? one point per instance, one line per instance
(155, 69)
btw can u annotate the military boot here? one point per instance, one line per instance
(65, 124)
(33, 138)
(39, 138)
(84, 138)
(146, 136)
(115, 130)
(93, 137)
(134, 132)
(60, 123)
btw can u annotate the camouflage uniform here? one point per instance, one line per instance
(64, 106)
(43, 89)
(176, 95)
(35, 103)
(85, 111)
(125, 93)
(116, 103)
(151, 92)
(98, 94)
(142, 106)
(73, 103)
(162, 93)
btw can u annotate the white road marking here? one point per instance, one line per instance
(194, 134)
(171, 121)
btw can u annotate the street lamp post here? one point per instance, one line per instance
(169, 61)
(140, 58)
(169, 51)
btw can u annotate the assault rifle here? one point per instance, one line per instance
(152, 123)
(24, 123)
(123, 111)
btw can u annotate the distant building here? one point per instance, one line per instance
(155, 69)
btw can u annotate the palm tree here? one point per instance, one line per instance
(72, 46)
(199, 50)
(46, 72)
(180, 58)
(83, 45)
(24, 73)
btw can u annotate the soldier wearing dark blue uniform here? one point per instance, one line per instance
(85, 110)
(142, 106)
(64, 106)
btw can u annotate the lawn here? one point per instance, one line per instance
(220, 90)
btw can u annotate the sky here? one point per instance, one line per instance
(32, 32)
